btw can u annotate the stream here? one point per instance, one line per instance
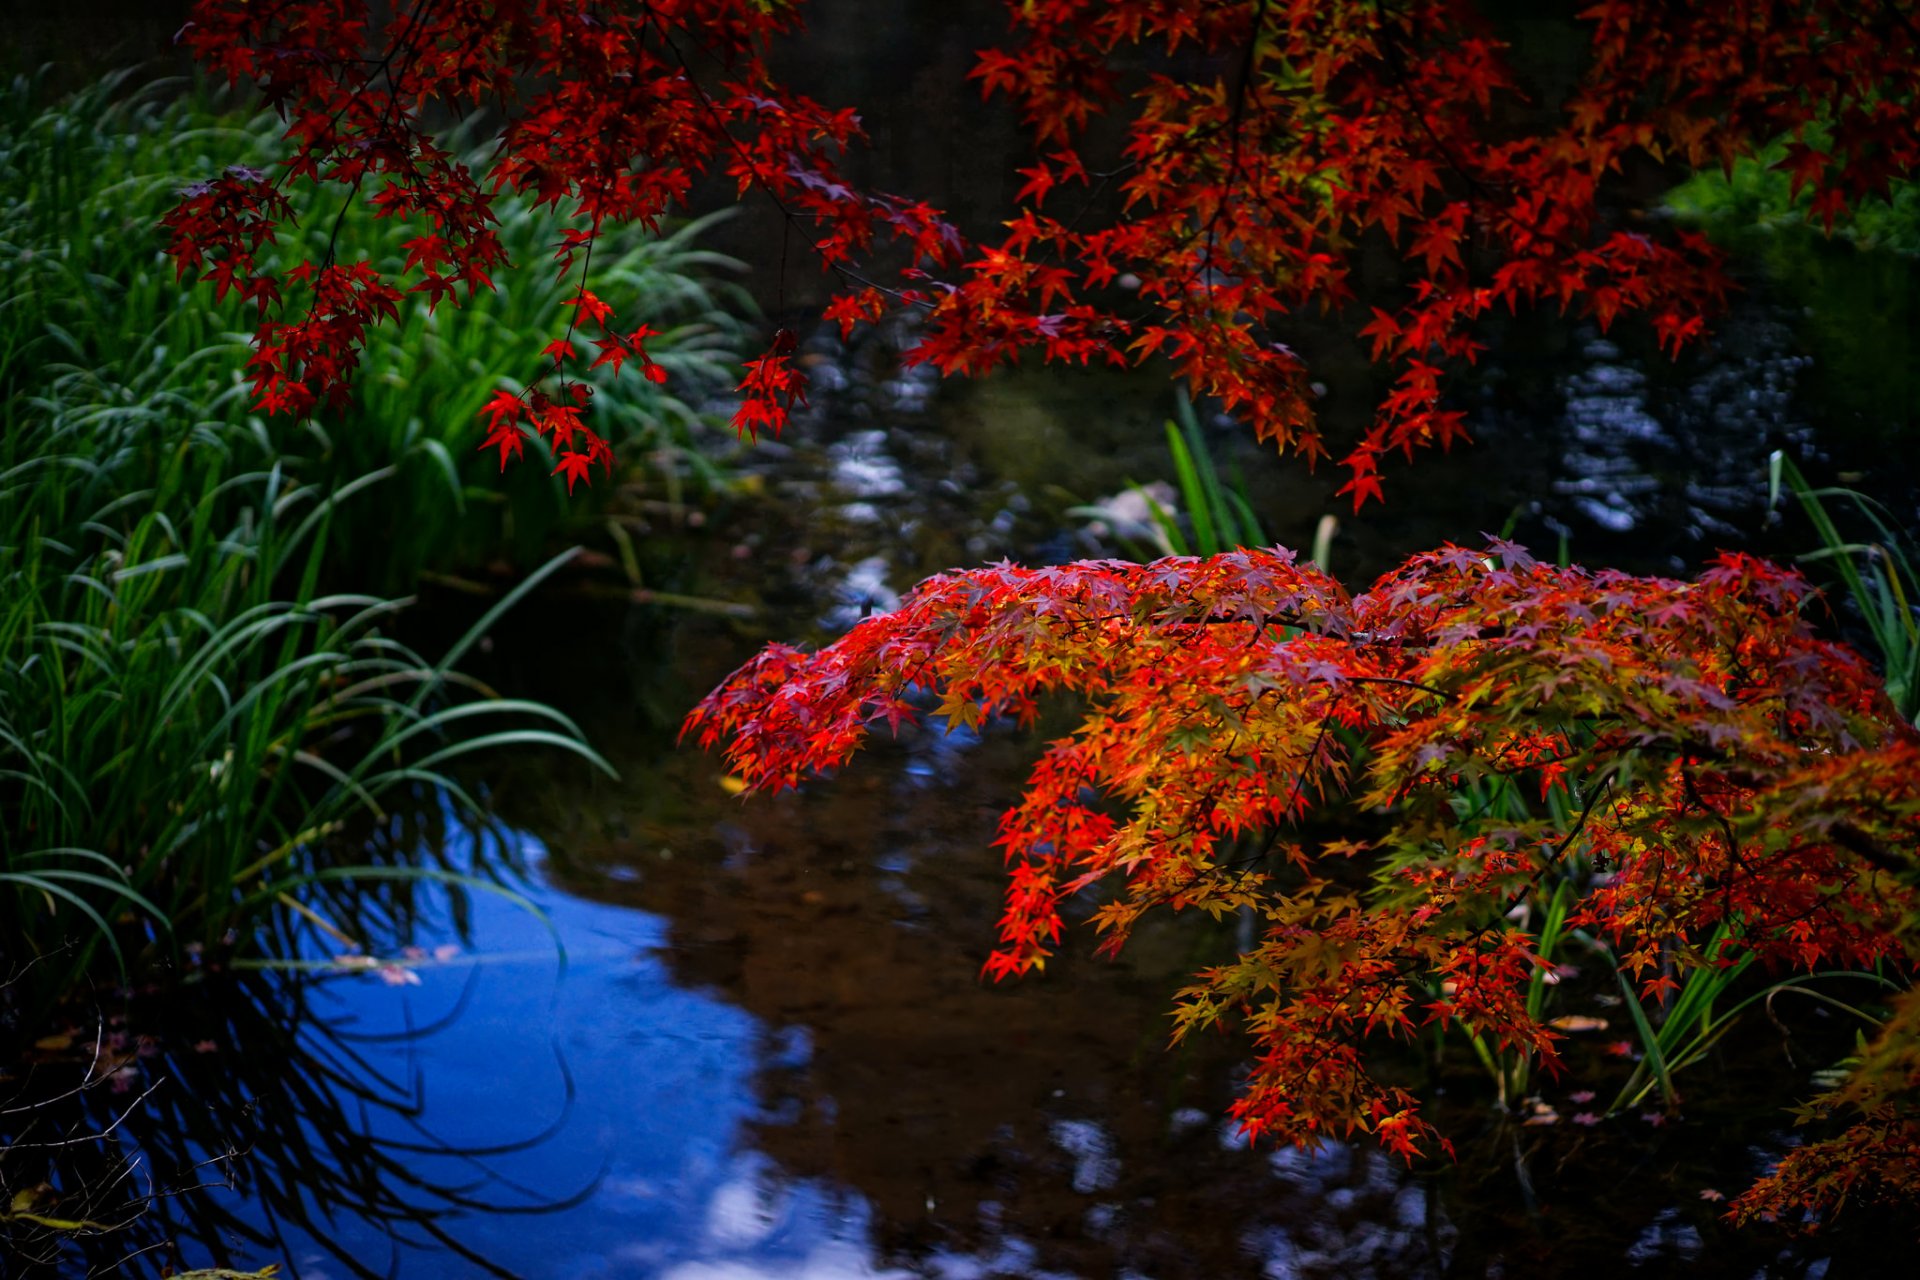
(702, 1038)
(726, 1039)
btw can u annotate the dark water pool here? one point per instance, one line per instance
(768, 1054)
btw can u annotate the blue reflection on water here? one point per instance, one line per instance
(624, 1093)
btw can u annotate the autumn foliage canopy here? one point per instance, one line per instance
(1703, 770)
(1231, 162)
(1690, 757)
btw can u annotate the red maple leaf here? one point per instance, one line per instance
(575, 466)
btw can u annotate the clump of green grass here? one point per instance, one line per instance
(190, 712)
(1876, 575)
(423, 381)
(185, 719)
(1217, 518)
(83, 283)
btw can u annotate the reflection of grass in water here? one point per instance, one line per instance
(253, 1093)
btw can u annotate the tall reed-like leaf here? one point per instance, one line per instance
(1877, 575)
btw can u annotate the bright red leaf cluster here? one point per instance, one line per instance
(1687, 756)
(1248, 154)
(771, 387)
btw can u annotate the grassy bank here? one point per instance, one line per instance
(84, 286)
(201, 686)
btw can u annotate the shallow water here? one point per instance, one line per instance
(768, 1052)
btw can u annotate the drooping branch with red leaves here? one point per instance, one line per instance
(1204, 173)
(1695, 761)
(608, 112)
(1252, 151)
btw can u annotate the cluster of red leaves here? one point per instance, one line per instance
(1273, 139)
(1877, 1157)
(1264, 146)
(772, 385)
(609, 111)
(576, 446)
(1720, 766)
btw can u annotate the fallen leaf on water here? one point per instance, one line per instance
(1708, 1193)
(53, 1044)
(1587, 1118)
(733, 786)
(1538, 1112)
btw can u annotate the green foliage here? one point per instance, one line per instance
(1758, 197)
(1856, 289)
(1877, 577)
(187, 716)
(83, 283)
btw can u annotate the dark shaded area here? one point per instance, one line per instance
(75, 42)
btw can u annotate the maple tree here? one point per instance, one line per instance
(1204, 172)
(1711, 776)
(1265, 145)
